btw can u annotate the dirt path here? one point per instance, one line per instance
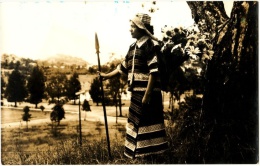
(13, 118)
(72, 114)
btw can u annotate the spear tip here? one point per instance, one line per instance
(96, 42)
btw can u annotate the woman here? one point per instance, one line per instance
(145, 130)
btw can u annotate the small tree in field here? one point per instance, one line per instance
(3, 85)
(95, 91)
(16, 89)
(26, 116)
(58, 113)
(73, 86)
(85, 107)
(36, 86)
(56, 86)
(42, 108)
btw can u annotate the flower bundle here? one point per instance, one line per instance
(174, 39)
(188, 42)
(187, 50)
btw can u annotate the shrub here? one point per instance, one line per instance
(42, 108)
(26, 116)
(184, 130)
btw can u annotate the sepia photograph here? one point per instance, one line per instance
(120, 82)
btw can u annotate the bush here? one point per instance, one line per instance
(184, 130)
(26, 116)
(42, 108)
(58, 113)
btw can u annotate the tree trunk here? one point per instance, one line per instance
(171, 105)
(230, 103)
(120, 106)
(27, 126)
(116, 111)
(115, 99)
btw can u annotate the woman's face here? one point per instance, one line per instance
(135, 31)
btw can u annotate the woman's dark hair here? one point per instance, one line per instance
(148, 27)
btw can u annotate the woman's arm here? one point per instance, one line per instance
(112, 74)
(149, 89)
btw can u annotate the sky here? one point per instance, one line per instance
(39, 29)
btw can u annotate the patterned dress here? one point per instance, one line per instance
(145, 130)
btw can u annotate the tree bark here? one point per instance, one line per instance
(230, 103)
(212, 12)
(27, 129)
(120, 106)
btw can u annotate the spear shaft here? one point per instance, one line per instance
(103, 98)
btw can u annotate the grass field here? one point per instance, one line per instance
(19, 145)
(45, 143)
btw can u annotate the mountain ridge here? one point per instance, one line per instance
(65, 59)
(54, 59)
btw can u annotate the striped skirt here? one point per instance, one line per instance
(145, 130)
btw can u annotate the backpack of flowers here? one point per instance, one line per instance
(181, 49)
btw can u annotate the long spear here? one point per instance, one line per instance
(103, 98)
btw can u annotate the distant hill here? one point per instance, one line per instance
(66, 60)
(10, 58)
(55, 59)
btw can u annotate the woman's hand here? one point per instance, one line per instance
(103, 76)
(147, 95)
(146, 99)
